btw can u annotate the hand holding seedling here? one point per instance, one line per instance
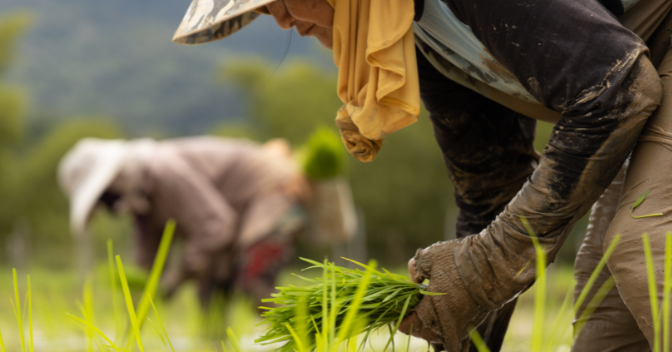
(443, 320)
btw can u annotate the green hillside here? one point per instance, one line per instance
(115, 58)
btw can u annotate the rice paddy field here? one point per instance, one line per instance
(55, 294)
(323, 308)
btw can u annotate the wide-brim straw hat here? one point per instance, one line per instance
(210, 20)
(84, 174)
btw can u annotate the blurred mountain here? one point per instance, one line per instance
(116, 59)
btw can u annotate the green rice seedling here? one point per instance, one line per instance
(338, 302)
(667, 290)
(157, 269)
(600, 294)
(237, 347)
(653, 294)
(29, 301)
(17, 311)
(478, 342)
(163, 332)
(129, 304)
(89, 325)
(2, 344)
(113, 287)
(322, 156)
(540, 293)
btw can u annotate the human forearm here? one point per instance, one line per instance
(583, 156)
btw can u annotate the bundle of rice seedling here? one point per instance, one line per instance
(337, 306)
(322, 156)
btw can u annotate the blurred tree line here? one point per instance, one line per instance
(33, 211)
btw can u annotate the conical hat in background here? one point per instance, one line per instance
(85, 172)
(210, 20)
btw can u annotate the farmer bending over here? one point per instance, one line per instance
(598, 69)
(237, 205)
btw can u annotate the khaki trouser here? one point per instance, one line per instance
(622, 321)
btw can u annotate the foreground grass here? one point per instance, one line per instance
(52, 314)
(55, 293)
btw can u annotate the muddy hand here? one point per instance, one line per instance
(444, 321)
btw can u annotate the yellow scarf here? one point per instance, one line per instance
(378, 76)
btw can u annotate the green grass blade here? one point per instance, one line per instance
(158, 332)
(158, 318)
(593, 303)
(562, 322)
(478, 342)
(157, 269)
(113, 288)
(237, 347)
(29, 294)
(637, 203)
(408, 344)
(401, 317)
(129, 304)
(653, 294)
(325, 310)
(97, 331)
(540, 293)
(2, 344)
(346, 327)
(297, 339)
(667, 288)
(17, 311)
(302, 318)
(223, 347)
(595, 274)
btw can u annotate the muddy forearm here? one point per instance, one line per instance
(582, 158)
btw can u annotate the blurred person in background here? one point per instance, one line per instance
(238, 205)
(599, 69)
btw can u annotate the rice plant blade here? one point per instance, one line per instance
(595, 274)
(161, 324)
(593, 303)
(325, 309)
(561, 320)
(29, 294)
(478, 342)
(97, 331)
(653, 294)
(408, 344)
(540, 293)
(129, 304)
(637, 203)
(299, 342)
(17, 311)
(237, 347)
(667, 289)
(158, 332)
(157, 269)
(401, 317)
(113, 287)
(2, 344)
(345, 328)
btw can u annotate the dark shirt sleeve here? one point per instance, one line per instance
(562, 51)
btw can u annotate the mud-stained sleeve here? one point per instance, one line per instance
(563, 52)
(202, 215)
(487, 148)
